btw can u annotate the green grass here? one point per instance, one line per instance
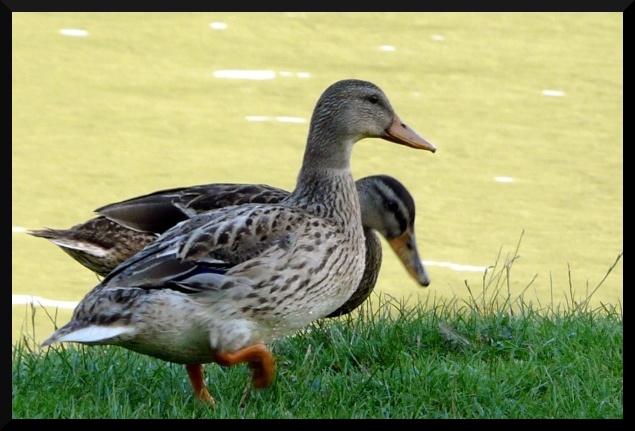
(495, 355)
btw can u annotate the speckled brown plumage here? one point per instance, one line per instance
(102, 243)
(191, 298)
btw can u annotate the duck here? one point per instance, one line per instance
(222, 285)
(124, 228)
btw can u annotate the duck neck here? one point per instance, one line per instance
(327, 148)
(329, 193)
(325, 185)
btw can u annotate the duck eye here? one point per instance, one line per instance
(373, 99)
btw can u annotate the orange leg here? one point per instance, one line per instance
(195, 372)
(259, 359)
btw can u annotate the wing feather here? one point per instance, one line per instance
(194, 254)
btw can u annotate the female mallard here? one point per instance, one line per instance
(219, 286)
(125, 228)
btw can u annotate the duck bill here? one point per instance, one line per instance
(400, 133)
(405, 247)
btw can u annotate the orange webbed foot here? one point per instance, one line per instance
(259, 359)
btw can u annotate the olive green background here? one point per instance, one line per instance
(134, 106)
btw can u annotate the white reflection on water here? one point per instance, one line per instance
(553, 93)
(504, 179)
(245, 74)
(257, 74)
(38, 300)
(456, 266)
(279, 119)
(73, 32)
(294, 74)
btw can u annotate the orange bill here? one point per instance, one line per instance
(400, 133)
(405, 246)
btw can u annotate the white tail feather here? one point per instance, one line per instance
(89, 335)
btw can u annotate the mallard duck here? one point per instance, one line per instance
(221, 285)
(124, 228)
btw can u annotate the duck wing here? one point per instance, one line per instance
(158, 211)
(195, 254)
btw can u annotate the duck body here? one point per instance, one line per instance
(125, 228)
(180, 276)
(220, 285)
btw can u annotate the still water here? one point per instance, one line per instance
(525, 110)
